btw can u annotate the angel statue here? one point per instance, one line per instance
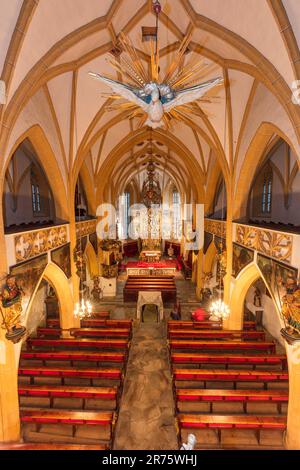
(11, 309)
(158, 99)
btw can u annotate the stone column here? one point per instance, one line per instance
(234, 321)
(9, 401)
(199, 279)
(73, 239)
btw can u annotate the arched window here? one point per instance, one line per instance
(266, 200)
(262, 192)
(176, 225)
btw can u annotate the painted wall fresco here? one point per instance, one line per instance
(278, 276)
(241, 258)
(62, 258)
(27, 276)
(274, 244)
(31, 244)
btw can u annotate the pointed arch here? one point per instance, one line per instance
(47, 160)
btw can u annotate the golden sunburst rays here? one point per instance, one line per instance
(135, 73)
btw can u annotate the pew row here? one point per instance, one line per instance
(72, 373)
(96, 323)
(87, 332)
(190, 400)
(223, 345)
(75, 356)
(234, 376)
(205, 325)
(221, 423)
(112, 344)
(53, 396)
(104, 421)
(218, 334)
(51, 446)
(230, 359)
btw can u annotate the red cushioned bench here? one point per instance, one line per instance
(223, 345)
(228, 360)
(78, 343)
(87, 332)
(48, 391)
(218, 334)
(244, 396)
(211, 375)
(71, 418)
(219, 422)
(96, 323)
(205, 325)
(73, 356)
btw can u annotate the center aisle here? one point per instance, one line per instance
(146, 417)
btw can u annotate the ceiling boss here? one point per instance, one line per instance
(158, 99)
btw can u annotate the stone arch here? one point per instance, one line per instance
(209, 258)
(47, 160)
(254, 155)
(92, 260)
(58, 280)
(243, 282)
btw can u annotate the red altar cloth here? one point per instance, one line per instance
(144, 264)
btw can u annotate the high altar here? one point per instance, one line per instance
(151, 251)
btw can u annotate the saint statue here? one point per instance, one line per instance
(11, 303)
(257, 298)
(97, 291)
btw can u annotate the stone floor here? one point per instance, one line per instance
(146, 418)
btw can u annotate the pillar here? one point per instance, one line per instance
(292, 440)
(73, 240)
(234, 321)
(9, 400)
(199, 278)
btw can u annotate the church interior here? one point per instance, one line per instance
(150, 225)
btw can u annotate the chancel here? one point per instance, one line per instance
(150, 225)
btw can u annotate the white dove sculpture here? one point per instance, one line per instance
(156, 99)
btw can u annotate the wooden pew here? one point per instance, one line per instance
(106, 394)
(96, 323)
(230, 359)
(71, 418)
(67, 373)
(217, 375)
(164, 284)
(74, 356)
(219, 422)
(94, 316)
(87, 332)
(190, 396)
(120, 344)
(223, 345)
(218, 334)
(205, 325)
(50, 446)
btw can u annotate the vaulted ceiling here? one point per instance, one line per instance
(49, 46)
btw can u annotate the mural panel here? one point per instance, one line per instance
(279, 277)
(27, 276)
(31, 244)
(61, 257)
(241, 258)
(274, 244)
